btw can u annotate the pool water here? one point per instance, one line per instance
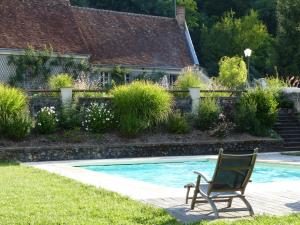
(177, 174)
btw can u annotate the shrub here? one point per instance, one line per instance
(208, 114)
(18, 126)
(13, 111)
(60, 81)
(232, 72)
(46, 120)
(284, 101)
(256, 112)
(177, 123)
(189, 79)
(223, 128)
(144, 103)
(69, 117)
(98, 118)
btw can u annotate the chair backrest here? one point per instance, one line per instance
(232, 172)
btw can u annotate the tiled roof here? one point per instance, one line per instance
(109, 37)
(132, 39)
(39, 22)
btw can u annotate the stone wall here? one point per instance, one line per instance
(293, 94)
(77, 152)
(38, 102)
(183, 104)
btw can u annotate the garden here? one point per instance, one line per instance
(143, 111)
(145, 108)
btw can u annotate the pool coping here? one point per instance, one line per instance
(140, 190)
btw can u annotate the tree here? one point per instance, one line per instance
(288, 36)
(231, 36)
(267, 13)
(232, 72)
(217, 8)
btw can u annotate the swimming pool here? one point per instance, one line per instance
(177, 174)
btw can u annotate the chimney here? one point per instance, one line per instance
(180, 16)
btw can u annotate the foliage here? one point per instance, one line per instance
(284, 101)
(214, 36)
(208, 113)
(70, 65)
(257, 112)
(39, 63)
(231, 36)
(288, 36)
(46, 120)
(177, 123)
(13, 112)
(18, 126)
(62, 80)
(187, 79)
(98, 118)
(69, 117)
(232, 72)
(223, 127)
(119, 75)
(31, 64)
(143, 103)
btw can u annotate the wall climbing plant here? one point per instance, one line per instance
(31, 64)
(40, 64)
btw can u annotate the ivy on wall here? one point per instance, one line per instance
(34, 63)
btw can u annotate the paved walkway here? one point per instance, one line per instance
(276, 198)
(263, 202)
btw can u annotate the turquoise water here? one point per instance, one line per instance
(177, 174)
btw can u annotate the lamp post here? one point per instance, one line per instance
(248, 53)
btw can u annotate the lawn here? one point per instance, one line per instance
(31, 196)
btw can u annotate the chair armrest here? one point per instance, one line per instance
(202, 176)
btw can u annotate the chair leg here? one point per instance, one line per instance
(196, 191)
(214, 207)
(194, 198)
(187, 195)
(229, 203)
(249, 207)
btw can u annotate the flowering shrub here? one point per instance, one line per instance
(98, 118)
(46, 120)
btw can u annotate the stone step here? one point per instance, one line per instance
(293, 148)
(287, 123)
(292, 144)
(296, 139)
(288, 128)
(289, 136)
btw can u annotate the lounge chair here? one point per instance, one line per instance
(229, 181)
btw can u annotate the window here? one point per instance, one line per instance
(172, 79)
(104, 79)
(127, 78)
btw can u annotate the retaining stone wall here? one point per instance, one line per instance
(77, 152)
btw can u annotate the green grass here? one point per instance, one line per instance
(31, 196)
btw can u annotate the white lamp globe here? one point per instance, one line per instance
(248, 52)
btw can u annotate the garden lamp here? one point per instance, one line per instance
(248, 53)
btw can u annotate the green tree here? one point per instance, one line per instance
(233, 72)
(231, 36)
(288, 14)
(267, 13)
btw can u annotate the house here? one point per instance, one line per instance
(140, 43)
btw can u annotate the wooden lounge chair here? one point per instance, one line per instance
(229, 181)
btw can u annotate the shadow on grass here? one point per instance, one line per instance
(8, 163)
